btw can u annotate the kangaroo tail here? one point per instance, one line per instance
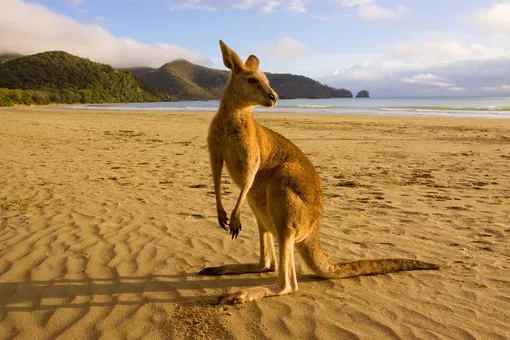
(318, 261)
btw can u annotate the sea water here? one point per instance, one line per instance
(461, 107)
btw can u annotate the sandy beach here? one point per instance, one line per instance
(107, 216)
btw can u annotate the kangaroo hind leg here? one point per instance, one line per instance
(267, 261)
(285, 284)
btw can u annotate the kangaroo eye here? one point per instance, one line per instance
(252, 80)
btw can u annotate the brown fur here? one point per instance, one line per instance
(281, 185)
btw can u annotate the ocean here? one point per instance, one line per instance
(461, 107)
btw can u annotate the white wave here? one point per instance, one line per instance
(311, 109)
(317, 106)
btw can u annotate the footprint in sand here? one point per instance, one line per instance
(347, 184)
(197, 216)
(198, 186)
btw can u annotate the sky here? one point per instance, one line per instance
(388, 47)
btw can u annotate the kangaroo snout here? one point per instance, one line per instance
(273, 98)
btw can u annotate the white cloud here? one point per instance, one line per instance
(367, 9)
(296, 6)
(44, 30)
(496, 18)
(466, 77)
(498, 88)
(420, 78)
(429, 68)
(373, 70)
(371, 11)
(502, 89)
(354, 3)
(286, 48)
(363, 75)
(309, 63)
(196, 5)
(426, 79)
(437, 51)
(245, 4)
(271, 6)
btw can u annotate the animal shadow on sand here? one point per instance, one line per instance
(36, 295)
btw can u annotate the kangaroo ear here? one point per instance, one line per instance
(230, 58)
(252, 63)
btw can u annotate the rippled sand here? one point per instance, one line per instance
(106, 217)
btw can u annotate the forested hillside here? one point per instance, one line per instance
(182, 80)
(59, 77)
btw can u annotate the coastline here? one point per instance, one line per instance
(495, 108)
(106, 217)
(437, 107)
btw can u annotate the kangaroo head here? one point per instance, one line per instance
(247, 84)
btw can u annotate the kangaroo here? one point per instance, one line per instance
(281, 185)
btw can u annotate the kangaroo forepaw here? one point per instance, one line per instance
(235, 231)
(222, 219)
(235, 225)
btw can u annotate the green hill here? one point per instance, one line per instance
(294, 86)
(8, 56)
(59, 77)
(182, 80)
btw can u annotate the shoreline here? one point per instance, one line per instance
(333, 116)
(431, 111)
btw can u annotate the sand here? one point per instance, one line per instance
(107, 216)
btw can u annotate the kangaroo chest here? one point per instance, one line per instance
(240, 151)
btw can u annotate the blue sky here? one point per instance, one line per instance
(390, 47)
